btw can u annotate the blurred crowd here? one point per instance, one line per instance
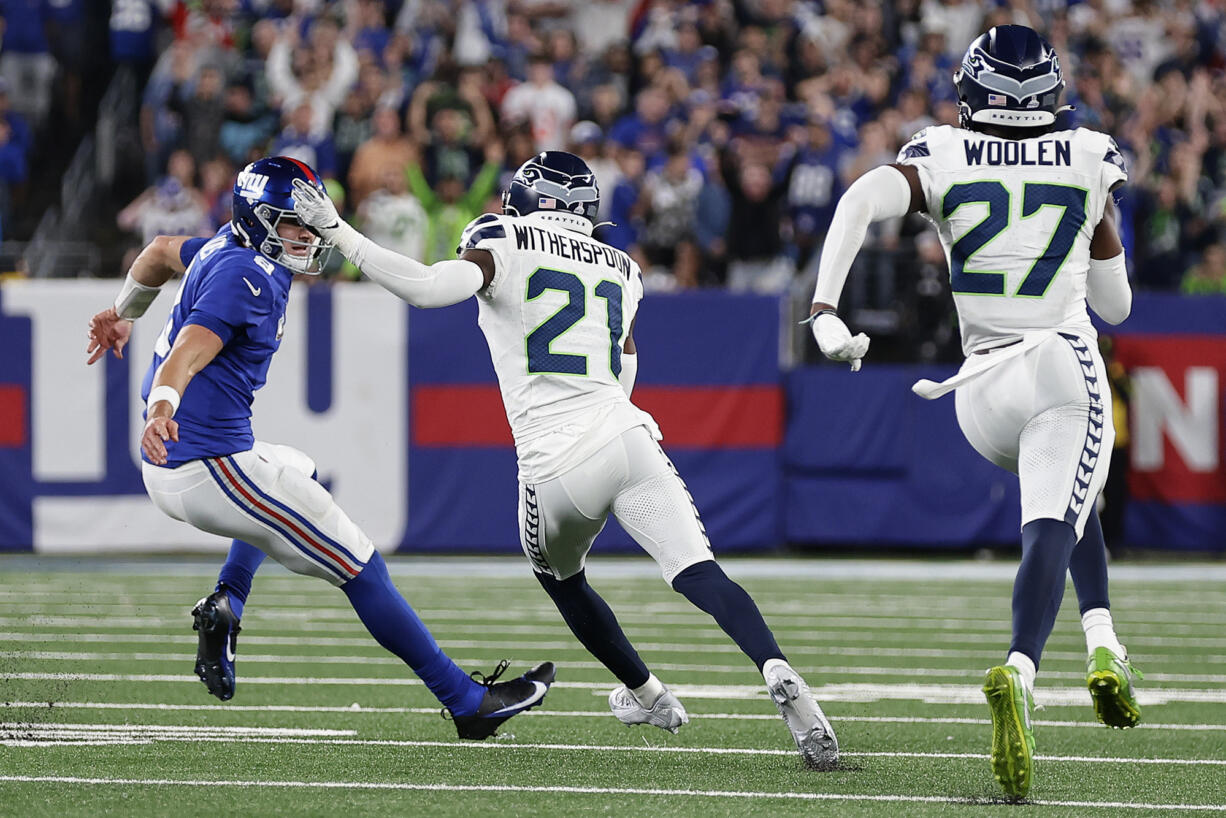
(722, 132)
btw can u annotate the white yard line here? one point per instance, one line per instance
(186, 638)
(744, 669)
(598, 714)
(711, 638)
(781, 615)
(50, 733)
(503, 788)
(853, 692)
(515, 569)
(547, 620)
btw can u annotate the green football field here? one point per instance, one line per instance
(103, 716)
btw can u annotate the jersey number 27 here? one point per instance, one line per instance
(1035, 196)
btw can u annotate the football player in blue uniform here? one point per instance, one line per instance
(203, 466)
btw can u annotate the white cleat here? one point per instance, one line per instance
(812, 731)
(667, 713)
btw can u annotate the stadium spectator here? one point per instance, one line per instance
(297, 140)
(1207, 276)
(172, 207)
(26, 63)
(543, 103)
(392, 218)
(712, 213)
(386, 150)
(452, 203)
(318, 71)
(14, 147)
(217, 188)
(670, 199)
(756, 261)
(201, 106)
(645, 130)
(245, 128)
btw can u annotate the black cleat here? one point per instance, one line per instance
(504, 699)
(218, 627)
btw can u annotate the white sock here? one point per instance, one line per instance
(1024, 666)
(1100, 632)
(771, 663)
(650, 692)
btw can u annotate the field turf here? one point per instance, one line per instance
(103, 716)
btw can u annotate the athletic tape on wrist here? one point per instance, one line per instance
(134, 298)
(166, 393)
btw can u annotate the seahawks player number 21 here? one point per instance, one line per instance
(557, 308)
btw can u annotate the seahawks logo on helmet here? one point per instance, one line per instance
(553, 181)
(1009, 77)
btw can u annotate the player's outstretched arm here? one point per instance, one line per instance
(111, 328)
(195, 346)
(436, 285)
(1107, 288)
(885, 192)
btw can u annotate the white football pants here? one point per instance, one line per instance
(1045, 415)
(265, 497)
(631, 478)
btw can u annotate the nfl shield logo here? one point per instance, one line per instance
(997, 99)
(547, 203)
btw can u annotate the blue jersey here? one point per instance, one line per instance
(240, 295)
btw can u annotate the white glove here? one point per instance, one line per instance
(836, 341)
(315, 210)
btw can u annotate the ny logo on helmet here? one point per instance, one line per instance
(251, 185)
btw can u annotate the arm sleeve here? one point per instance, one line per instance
(437, 285)
(882, 193)
(1107, 289)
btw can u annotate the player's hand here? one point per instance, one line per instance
(836, 341)
(153, 441)
(315, 209)
(107, 331)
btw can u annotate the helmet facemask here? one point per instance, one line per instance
(277, 247)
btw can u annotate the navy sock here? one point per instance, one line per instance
(396, 626)
(1039, 587)
(1088, 566)
(707, 586)
(592, 622)
(237, 573)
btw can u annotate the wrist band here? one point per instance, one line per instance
(166, 393)
(814, 316)
(134, 298)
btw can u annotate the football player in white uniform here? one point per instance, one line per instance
(557, 308)
(1025, 214)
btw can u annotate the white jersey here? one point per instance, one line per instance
(1016, 218)
(555, 317)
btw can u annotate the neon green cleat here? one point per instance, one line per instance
(1110, 681)
(1012, 734)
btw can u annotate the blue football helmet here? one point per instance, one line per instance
(553, 181)
(262, 200)
(1010, 77)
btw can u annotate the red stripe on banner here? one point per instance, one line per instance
(690, 416)
(271, 512)
(13, 428)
